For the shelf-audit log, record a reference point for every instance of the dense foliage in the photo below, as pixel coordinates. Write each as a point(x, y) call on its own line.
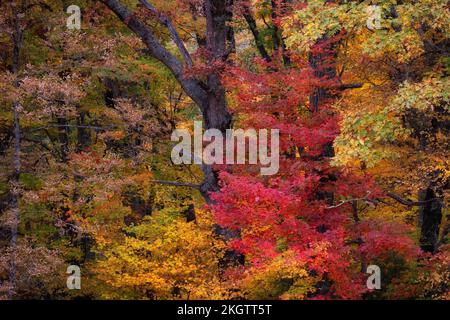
point(86, 176)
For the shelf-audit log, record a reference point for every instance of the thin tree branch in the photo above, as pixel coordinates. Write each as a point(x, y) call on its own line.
point(351, 201)
point(159, 52)
point(350, 86)
point(39, 4)
point(392, 195)
point(408, 202)
point(177, 184)
point(73, 126)
point(163, 19)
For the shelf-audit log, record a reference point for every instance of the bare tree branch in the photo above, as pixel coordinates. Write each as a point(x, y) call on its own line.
point(408, 202)
point(73, 126)
point(163, 19)
point(159, 52)
point(177, 184)
point(351, 201)
point(350, 86)
point(392, 195)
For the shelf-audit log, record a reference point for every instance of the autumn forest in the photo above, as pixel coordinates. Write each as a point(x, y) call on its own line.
point(117, 182)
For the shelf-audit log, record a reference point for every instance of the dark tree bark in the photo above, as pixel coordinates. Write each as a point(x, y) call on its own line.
point(189, 213)
point(83, 134)
point(321, 60)
point(14, 207)
point(216, 114)
point(277, 37)
point(430, 218)
point(63, 137)
point(17, 40)
point(256, 35)
point(230, 30)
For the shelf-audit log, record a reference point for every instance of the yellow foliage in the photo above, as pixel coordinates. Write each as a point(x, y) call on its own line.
point(167, 258)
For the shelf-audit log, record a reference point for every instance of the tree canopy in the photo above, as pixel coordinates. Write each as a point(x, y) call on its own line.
point(357, 89)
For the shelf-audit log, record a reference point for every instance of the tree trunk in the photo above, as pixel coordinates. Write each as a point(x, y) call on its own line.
point(277, 38)
point(321, 60)
point(430, 217)
point(63, 137)
point(256, 35)
point(215, 112)
point(83, 134)
point(17, 38)
point(15, 212)
point(210, 97)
